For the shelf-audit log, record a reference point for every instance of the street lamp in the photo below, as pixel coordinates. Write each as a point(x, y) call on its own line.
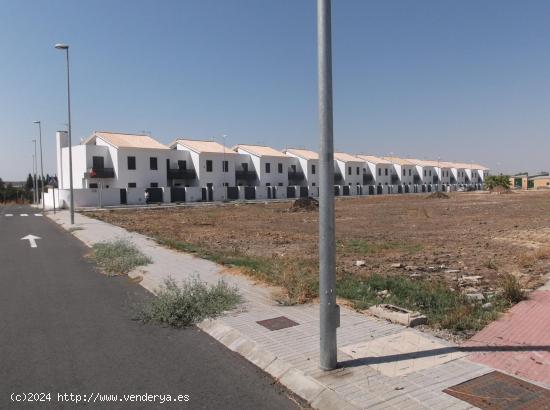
point(41, 163)
point(329, 312)
point(34, 172)
point(65, 47)
point(224, 170)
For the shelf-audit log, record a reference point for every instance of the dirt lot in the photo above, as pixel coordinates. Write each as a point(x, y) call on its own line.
point(478, 235)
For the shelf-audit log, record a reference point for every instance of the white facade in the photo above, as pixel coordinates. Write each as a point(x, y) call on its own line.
point(271, 166)
point(405, 170)
point(350, 168)
point(308, 163)
point(380, 169)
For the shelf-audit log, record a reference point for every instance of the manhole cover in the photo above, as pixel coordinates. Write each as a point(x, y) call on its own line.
point(277, 323)
point(497, 391)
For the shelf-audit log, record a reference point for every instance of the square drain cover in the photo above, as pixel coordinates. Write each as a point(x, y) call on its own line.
point(277, 323)
point(495, 391)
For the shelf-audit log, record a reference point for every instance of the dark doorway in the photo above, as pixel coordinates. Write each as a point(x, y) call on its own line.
point(123, 200)
point(155, 195)
point(177, 194)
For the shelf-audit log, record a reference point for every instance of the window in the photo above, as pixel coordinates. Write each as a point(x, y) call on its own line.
point(267, 167)
point(424, 172)
point(154, 184)
point(131, 184)
point(280, 184)
point(225, 166)
point(379, 172)
point(293, 167)
point(357, 170)
point(131, 162)
point(93, 185)
point(313, 169)
point(182, 165)
point(98, 162)
point(386, 171)
point(267, 184)
point(226, 184)
point(404, 172)
point(280, 168)
point(153, 163)
point(208, 165)
point(313, 184)
point(430, 172)
point(409, 172)
point(349, 170)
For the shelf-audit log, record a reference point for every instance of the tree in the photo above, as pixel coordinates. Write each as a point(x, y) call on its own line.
point(30, 183)
point(493, 181)
point(2, 185)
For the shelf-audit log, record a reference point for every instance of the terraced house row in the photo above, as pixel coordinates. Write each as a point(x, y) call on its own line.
point(117, 169)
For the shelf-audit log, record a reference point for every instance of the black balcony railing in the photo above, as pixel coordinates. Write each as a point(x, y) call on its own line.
point(417, 180)
point(245, 175)
point(394, 179)
point(295, 177)
point(100, 173)
point(453, 180)
point(185, 174)
point(368, 179)
point(338, 178)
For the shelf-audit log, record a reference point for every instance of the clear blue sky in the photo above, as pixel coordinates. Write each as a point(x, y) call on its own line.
point(461, 80)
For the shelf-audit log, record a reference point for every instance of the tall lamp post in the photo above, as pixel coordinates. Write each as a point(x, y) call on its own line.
point(34, 172)
point(225, 170)
point(329, 311)
point(41, 163)
point(65, 47)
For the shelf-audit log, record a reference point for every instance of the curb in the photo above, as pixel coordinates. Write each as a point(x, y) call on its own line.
point(314, 393)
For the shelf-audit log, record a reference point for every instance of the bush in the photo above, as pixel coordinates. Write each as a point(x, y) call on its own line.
point(118, 257)
point(190, 303)
point(493, 181)
point(511, 289)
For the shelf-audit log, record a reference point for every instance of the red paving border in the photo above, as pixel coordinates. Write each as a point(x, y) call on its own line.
point(526, 324)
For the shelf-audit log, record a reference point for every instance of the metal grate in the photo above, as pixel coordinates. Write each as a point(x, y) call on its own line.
point(277, 323)
point(496, 391)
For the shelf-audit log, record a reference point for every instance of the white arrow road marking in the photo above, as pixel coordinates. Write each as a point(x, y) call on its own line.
point(24, 215)
point(9, 214)
point(32, 240)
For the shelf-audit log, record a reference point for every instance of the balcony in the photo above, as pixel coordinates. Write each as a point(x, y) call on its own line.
point(338, 178)
point(245, 175)
point(295, 177)
point(368, 179)
point(417, 180)
point(185, 174)
point(394, 179)
point(100, 173)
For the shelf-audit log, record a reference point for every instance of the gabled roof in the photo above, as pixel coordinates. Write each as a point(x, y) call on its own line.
point(202, 146)
point(122, 140)
point(470, 165)
point(422, 162)
point(343, 157)
point(302, 153)
point(259, 150)
point(398, 161)
point(374, 160)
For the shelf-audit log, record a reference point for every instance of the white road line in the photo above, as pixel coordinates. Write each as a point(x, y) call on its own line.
point(24, 215)
point(37, 214)
point(9, 214)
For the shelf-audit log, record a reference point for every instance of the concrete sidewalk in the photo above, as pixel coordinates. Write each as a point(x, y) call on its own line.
point(383, 365)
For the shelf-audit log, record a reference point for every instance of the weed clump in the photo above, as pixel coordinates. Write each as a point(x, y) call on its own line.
point(511, 289)
point(189, 303)
point(118, 257)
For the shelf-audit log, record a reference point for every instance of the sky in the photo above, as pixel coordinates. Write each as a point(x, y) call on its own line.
point(463, 80)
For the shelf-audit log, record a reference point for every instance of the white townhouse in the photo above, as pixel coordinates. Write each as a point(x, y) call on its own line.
point(427, 172)
point(442, 171)
point(271, 166)
point(457, 172)
point(348, 169)
point(304, 167)
point(381, 170)
point(405, 170)
point(213, 163)
point(114, 160)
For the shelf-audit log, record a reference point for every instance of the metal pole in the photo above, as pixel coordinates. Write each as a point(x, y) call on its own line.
point(41, 166)
point(329, 312)
point(223, 169)
point(35, 169)
point(70, 143)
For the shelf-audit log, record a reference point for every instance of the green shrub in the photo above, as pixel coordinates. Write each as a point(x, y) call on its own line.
point(493, 181)
point(189, 303)
point(118, 257)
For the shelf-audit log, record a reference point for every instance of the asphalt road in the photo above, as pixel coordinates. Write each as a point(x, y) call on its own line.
point(66, 328)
